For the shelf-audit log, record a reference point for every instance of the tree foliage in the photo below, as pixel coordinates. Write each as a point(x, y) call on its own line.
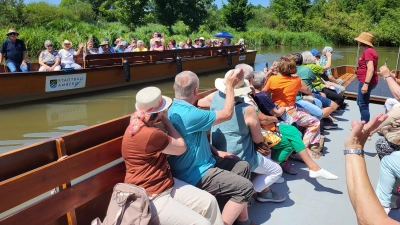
point(237, 13)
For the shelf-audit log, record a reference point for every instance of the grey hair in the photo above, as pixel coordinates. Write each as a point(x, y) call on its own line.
point(308, 58)
point(248, 70)
point(47, 42)
point(258, 80)
point(140, 41)
point(185, 83)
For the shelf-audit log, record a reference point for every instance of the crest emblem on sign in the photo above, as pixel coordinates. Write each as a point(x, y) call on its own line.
point(53, 83)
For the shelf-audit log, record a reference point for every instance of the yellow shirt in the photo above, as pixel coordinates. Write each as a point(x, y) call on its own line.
point(142, 49)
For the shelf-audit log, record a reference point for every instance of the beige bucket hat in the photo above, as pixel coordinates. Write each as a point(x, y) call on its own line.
point(243, 87)
point(365, 38)
point(150, 100)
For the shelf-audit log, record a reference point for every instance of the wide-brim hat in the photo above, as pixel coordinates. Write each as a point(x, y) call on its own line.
point(150, 100)
point(12, 31)
point(365, 38)
point(242, 88)
point(66, 42)
point(104, 43)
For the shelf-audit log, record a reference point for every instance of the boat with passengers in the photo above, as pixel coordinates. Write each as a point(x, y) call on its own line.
point(83, 168)
point(107, 71)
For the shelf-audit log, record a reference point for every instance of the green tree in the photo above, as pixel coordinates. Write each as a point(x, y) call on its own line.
point(167, 12)
point(12, 12)
point(129, 12)
point(237, 13)
point(194, 12)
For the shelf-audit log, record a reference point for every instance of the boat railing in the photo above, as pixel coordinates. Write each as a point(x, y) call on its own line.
point(91, 156)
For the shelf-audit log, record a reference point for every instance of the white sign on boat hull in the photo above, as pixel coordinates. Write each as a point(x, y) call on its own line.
point(242, 57)
point(65, 82)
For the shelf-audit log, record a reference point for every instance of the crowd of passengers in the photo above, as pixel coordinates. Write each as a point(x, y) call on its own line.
point(258, 120)
point(14, 50)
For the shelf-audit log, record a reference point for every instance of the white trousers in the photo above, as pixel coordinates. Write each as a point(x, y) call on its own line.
point(391, 103)
point(42, 68)
point(268, 172)
point(185, 204)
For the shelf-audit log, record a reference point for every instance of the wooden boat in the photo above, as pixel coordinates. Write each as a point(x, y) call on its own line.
point(84, 165)
point(106, 71)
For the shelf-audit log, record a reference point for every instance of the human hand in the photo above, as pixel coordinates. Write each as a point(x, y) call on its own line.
point(328, 54)
point(361, 131)
point(384, 70)
point(80, 45)
point(263, 149)
point(227, 155)
point(364, 88)
point(23, 63)
point(234, 77)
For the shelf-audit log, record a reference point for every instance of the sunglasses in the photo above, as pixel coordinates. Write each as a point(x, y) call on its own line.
point(67, 44)
point(49, 45)
point(11, 34)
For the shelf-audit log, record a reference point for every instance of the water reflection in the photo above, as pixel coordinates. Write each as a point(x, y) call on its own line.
point(30, 123)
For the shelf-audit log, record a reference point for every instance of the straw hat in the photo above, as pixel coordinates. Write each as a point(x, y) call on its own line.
point(12, 30)
point(66, 42)
point(243, 87)
point(150, 100)
point(365, 38)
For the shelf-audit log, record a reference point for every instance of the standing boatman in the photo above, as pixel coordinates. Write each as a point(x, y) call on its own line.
point(14, 51)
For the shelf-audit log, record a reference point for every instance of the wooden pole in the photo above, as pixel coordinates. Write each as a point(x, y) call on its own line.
point(397, 62)
point(358, 55)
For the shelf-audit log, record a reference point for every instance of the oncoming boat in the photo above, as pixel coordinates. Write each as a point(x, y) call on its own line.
point(106, 71)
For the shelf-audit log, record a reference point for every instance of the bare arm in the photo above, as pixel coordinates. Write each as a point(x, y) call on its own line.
point(42, 63)
point(328, 61)
point(332, 79)
point(79, 50)
point(304, 88)
point(265, 120)
point(391, 82)
point(250, 118)
point(362, 196)
point(206, 101)
point(227, 112)
point(24, 57)
point(370, 71)
point(177, 145)
point(277, 112)
point(1, 58)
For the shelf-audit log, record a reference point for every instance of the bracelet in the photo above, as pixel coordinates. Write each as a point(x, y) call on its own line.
point(366, 82)
point(387, 77)
point(354, 151)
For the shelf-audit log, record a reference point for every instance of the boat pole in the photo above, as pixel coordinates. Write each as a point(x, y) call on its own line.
point(397, 62)
point(358, 55)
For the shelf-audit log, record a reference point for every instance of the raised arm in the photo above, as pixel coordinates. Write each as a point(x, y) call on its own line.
point(177, 145)
point(362, 196)
point(328, 61)
point(227, 112)
point(391, 82)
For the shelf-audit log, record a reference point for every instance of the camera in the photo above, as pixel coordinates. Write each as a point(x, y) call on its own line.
point(159, 35)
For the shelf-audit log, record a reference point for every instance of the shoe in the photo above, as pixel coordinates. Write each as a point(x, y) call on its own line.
point(323, 174)
point(280, 180)
point(270, 196)
point(328, 124)
point(287, 168)
point(296, 157)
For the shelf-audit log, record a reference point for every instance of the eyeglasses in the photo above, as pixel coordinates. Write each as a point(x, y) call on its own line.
point(49, 45)
point(67, 44)
point(133, 42)
point(10, 34)
point(220, 42)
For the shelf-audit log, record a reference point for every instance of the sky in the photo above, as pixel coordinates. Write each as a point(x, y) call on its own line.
point(218, 2)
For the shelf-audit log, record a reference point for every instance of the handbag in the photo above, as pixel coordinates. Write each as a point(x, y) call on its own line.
point(271, 138)
point(308, 98)
point(392, 132)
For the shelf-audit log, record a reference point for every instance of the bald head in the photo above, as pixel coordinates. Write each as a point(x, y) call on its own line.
point(248, 70)
point(185, 83)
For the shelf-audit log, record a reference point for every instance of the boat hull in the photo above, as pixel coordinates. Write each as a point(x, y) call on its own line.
point(25, 87)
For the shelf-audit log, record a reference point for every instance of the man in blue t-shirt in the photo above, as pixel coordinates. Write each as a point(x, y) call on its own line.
point(202, 165)
point(14, 51)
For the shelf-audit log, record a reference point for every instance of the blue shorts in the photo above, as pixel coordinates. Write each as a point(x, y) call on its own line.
point(326, 102)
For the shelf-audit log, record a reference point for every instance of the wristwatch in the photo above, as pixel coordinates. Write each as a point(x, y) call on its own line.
point(387, 77)
point(354, 151)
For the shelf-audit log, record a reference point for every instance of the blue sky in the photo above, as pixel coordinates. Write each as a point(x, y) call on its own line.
point(218, 2)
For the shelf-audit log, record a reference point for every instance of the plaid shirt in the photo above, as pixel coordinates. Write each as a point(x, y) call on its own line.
point(322, 62)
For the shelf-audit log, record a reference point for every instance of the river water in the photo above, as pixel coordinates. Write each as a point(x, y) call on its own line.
point(30, 123)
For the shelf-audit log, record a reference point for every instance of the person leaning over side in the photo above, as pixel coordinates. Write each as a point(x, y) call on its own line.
point(49, 59)
point(366, 73)
point(242, 137)
point(14, 51)
point(145, 149)
point(67, 55)
point(220, 174)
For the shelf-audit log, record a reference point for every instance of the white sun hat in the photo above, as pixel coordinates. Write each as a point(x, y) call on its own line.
point(150, 100)
point(243, 87)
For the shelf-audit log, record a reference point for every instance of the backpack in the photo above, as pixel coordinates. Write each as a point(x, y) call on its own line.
point(129, 205)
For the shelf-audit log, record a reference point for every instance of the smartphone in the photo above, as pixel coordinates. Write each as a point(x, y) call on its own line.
point(159, 35)
point(266, 65)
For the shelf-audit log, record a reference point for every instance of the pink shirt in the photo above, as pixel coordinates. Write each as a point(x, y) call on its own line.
point(368, 55)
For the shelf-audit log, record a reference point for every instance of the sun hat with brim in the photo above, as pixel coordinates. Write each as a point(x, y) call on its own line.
point(66, 42)
point(10, 31)
point(104, 43)
point(123, 43)
point(365, 38)
point(150, 100)
point(243, 87)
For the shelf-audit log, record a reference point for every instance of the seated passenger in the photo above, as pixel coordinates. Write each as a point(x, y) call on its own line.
point(181, 45)
point(157, 45)
point(188, 43)
point(110, 48)
point(122, 47)
point(105, 48)
point(227, 42)
point(145, 149)
point(209, 44)
point(242, 135)
point(90, 50)
point(283, 89)
point(327, 75)
point(218, 174)
point(156, 36)
point(133, 45)
point(67, 55)
point(196, 43)
point(49, 59)
point(291, 138)
point(171, 44)
point(14, 52)
point(242, 45)
point(140, 47)
point(202, 44)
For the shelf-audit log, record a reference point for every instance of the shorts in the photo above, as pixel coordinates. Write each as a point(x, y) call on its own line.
point(326, 102)
point(291, 140)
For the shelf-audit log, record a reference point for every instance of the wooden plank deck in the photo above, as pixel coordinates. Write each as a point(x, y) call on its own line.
point(350, 77)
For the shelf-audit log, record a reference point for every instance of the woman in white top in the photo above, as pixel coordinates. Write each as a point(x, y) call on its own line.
point(48, 59)
point(67, 55)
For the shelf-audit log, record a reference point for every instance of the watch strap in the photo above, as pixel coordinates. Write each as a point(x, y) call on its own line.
point(354, 151)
